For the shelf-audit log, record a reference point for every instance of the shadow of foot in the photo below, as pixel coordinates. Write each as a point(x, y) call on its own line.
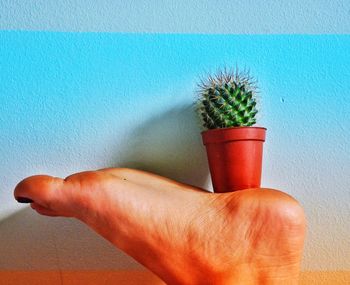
point(32, 242)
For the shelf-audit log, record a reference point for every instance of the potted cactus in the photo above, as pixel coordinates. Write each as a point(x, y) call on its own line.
point(227, 107)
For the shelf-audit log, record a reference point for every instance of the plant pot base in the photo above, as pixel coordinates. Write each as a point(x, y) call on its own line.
point(235, 157)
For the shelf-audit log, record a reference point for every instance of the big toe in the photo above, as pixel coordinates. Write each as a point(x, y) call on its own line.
point(40, 190)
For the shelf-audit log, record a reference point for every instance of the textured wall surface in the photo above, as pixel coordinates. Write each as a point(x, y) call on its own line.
point(78, 101)
point(180, 16)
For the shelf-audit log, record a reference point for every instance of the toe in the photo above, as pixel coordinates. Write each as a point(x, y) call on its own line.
point(41, 189)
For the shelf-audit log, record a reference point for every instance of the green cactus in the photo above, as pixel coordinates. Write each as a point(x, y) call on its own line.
point(227, 100)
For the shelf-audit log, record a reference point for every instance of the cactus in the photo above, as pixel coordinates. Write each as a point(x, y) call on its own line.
point(227, 99)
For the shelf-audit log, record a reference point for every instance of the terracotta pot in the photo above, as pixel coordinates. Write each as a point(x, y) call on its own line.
point(235, 157)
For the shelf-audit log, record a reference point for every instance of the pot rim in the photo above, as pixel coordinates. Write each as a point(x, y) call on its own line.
point(229, 128)
point(222, 135)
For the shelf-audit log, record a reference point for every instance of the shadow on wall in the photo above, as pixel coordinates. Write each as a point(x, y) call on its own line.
point(33, 242)
point(170, 145)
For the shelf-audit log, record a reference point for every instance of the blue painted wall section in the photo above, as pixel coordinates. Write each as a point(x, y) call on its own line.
point(76, 101)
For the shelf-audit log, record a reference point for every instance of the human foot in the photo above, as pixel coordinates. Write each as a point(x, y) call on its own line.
point(182, 233)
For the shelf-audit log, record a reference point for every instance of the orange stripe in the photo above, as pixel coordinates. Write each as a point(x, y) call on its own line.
point(79, 277)
point(102, 277)
point(325, 278)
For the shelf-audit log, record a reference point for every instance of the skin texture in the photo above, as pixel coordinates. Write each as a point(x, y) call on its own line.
point(182, 233)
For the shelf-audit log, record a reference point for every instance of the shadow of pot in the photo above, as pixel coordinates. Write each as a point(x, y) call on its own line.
point(170, 145)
